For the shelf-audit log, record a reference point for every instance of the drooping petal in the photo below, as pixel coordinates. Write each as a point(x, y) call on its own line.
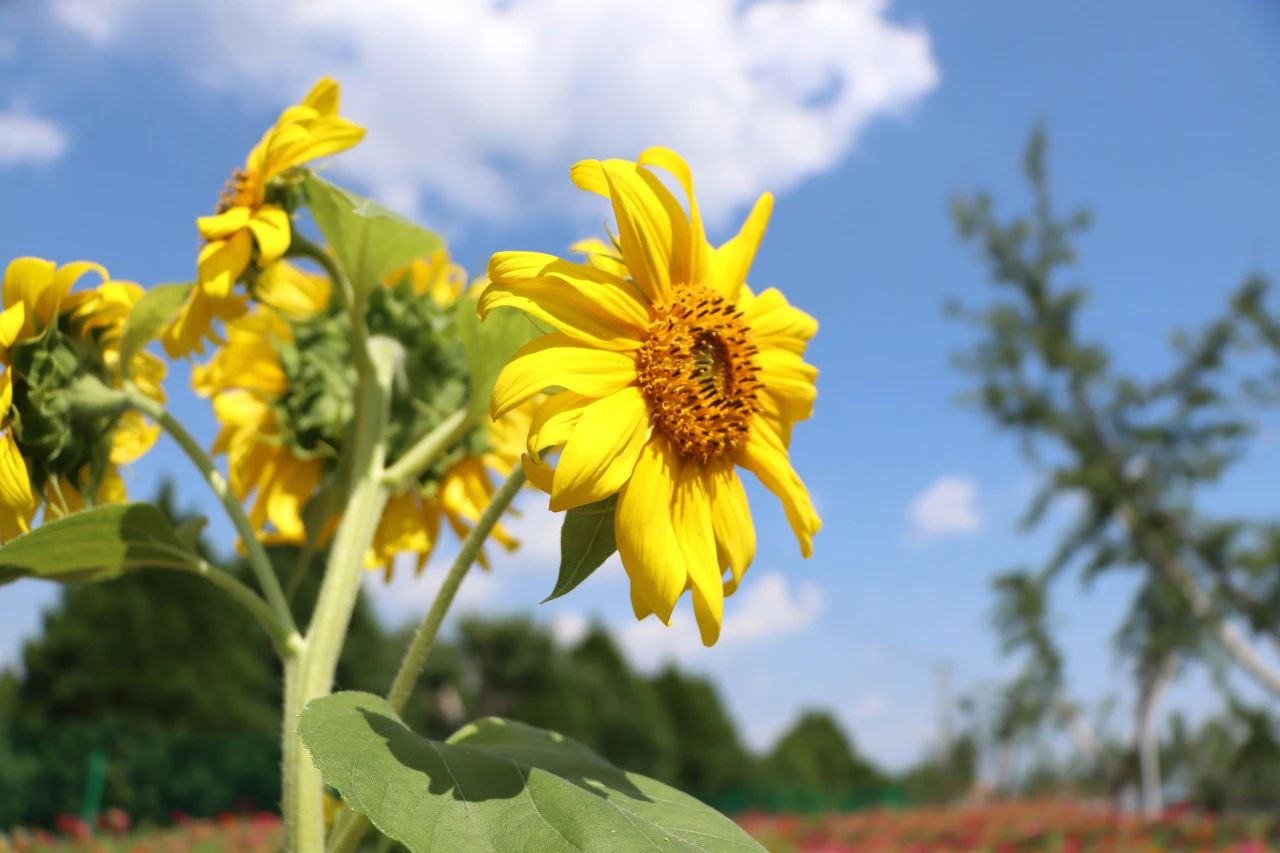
point(15, 489)
point(731, 520)
point(557, 361)
point(25, 279)
point(12, 321)
point(690, 262)
point(294, 293)
point(645, 534)
point(270, 228)
point(194, 323)
point(602, 451)
point(581, 301)
point(765, 456)
point(539, 474)
point(601, 256)
point(132, 438)
point(694, 531)
point(324, 97)
point(222, 262)
point(731, 262)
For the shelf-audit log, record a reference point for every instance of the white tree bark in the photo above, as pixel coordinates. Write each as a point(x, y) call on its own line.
point(1151, 691)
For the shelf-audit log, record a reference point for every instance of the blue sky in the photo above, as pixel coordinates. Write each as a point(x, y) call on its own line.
point(119, 122)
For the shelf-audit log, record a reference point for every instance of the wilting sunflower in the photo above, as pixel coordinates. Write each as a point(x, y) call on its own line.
point(282, 390)
point(251, 225)
point(52, 342)
point(669, 373)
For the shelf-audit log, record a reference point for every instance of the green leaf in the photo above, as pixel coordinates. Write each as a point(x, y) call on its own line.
point(489, 345)
point(368, 240)
point(586, 541)
point(149, 317)
point(95, 544)
point(499, 785)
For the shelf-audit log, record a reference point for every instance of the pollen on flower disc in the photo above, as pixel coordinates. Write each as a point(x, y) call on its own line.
point(698, 373)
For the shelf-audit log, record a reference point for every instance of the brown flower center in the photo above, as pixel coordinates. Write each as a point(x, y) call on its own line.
point(698, 373)
point(240, 191)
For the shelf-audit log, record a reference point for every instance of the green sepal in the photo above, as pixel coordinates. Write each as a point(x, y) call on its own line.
point(586, 541)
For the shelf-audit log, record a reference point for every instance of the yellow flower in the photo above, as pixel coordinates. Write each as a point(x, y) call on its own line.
point(249, 227)
point(280, 448)
point(41, 452)
point(669, 374)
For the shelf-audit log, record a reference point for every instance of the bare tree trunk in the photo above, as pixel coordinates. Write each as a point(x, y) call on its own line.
point(1080, 732)
point(1230, 635)
point(1151, 690)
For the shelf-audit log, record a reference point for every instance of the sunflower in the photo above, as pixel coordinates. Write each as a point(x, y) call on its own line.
point(51, 339)
point(668, 374)
point(281, 389)
point(251, 225)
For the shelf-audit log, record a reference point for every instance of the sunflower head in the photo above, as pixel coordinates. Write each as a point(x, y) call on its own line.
point(283, 389)
point(666, 375)
point(61, 411)
point(251, 228)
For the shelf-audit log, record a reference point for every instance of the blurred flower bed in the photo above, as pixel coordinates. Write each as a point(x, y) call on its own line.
point(1011, 827)
point(114, 834)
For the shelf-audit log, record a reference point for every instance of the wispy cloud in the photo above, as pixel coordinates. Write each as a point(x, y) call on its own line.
point(27, 139)
point(475, 108)
point(947, 506)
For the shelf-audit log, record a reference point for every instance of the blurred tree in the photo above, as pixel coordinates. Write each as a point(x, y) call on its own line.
point(1130, 455)
point(709, 758)
point(815, 755)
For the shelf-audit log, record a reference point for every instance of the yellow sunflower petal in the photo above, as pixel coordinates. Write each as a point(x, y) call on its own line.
point(646, 537)
point(12, 320)
point(270, 228)
point(789, 381)
point(731, 262)
point(765, 456)
point(585, 303)
point(731, 520)
point(222, 262)
point(132, 438)
point(25, 279)
point(775, 323)
point(644, 223)
point(602, 451)
point(695, 533)
point(690, 262)
point(601, 256)
point(15, 487)
point(222, 225)
point(553, 421)
point(291, 291)
point(324, 96)
point(555, 360)
point(539, 474)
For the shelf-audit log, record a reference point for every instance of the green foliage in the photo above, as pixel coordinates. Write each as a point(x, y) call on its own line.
point(815, 755)
point(708, 755)
point(149, 317)
point(96, 544)
point(368, 240)
point(494, 779)
point(586, 541)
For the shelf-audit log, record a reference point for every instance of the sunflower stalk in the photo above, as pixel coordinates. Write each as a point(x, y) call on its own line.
point(312, 677)
point(351, 827)
point(426, 451)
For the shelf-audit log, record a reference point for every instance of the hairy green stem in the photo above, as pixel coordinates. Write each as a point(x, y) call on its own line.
point(258, 559)
point(426, 450)
point(281, 635)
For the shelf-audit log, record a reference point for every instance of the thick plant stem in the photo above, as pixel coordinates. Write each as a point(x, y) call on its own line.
point(258, 559)
point(351, 827)
point(313, 677)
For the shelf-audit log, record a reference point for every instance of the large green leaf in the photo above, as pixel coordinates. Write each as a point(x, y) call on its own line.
point(368, 240)
point(96, 544)
point(489, 345)
point(586, 541)
point(497, 785)
point(148, 318)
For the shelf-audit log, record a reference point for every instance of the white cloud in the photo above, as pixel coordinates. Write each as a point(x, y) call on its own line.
point(568, 628)
point(948, 505)
point(867, 707)
point(29, 139)
point(475, 108)
point(408, 596)
point(766, 608)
